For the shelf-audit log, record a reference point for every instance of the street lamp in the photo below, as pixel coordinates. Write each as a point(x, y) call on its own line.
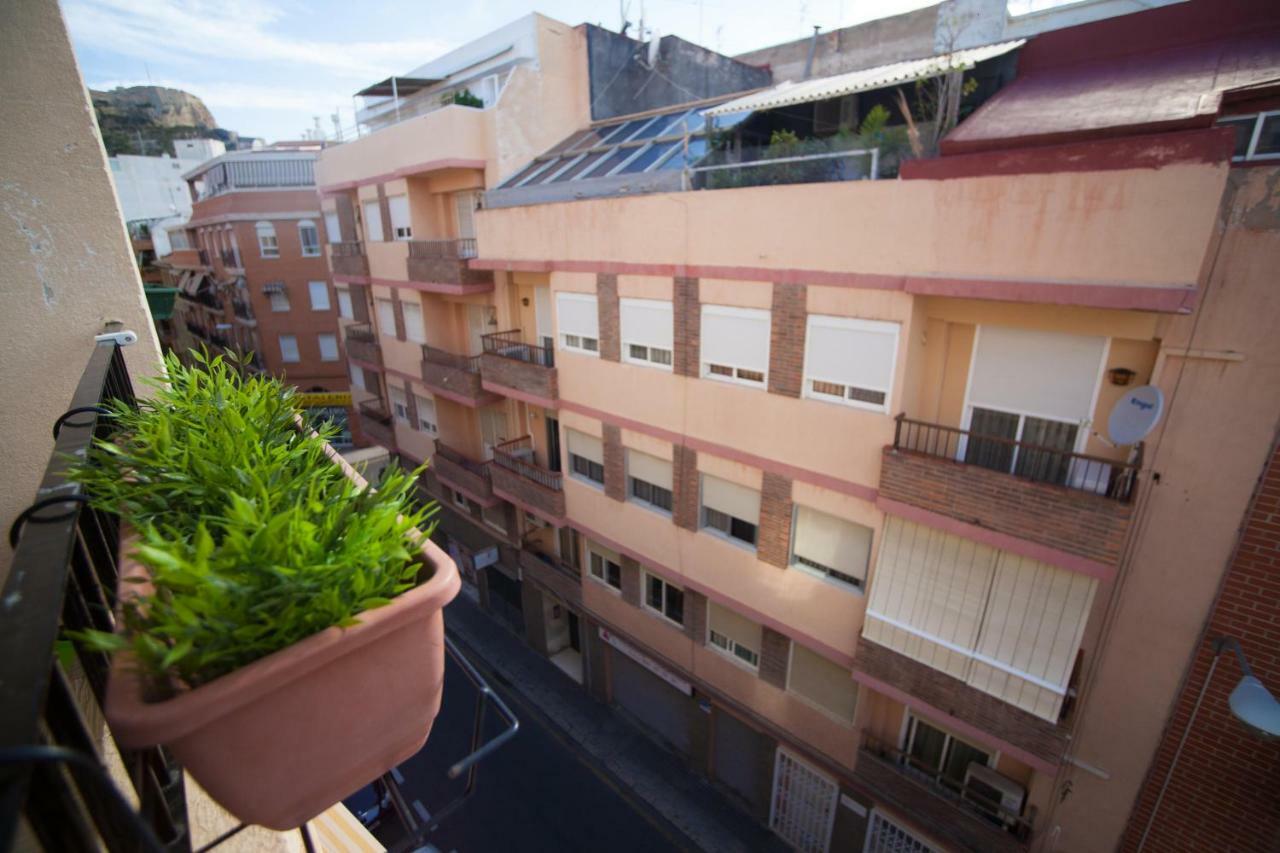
point(1251, 702)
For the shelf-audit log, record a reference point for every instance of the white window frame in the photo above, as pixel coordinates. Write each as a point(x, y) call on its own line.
point(279, 300)
point(1259, 119)
point(724, 535)
point(346, 308)
point(284, 355)
point(604, 579)
point(628, 342)
point(315, 249)
point(268, 241)
point(851, 324)
point(332, 227)
point(563, 338)
point(729, 649)
point(383, 331)
point(907, 736)
point(357, 376)
point(397, 407)
point(401, 233)
point(320, 338)
point(432, 426)
point(632, 497)
point(414, 332)
point(666, 585)
point(323, 291)
point(704, 367)
point(381, 236)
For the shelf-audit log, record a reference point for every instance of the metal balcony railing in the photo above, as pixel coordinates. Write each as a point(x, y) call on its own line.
point(517, 456)
point(479, 469)
point(508, 345)
point(362, 332)
point(243, 310)
point(230, 259)
point(349, 249)
point(1041, 464)
point(376, 410)
point(203, 254)
point(469, 363)
point(458, 249)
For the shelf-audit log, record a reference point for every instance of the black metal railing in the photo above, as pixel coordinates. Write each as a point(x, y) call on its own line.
point(362, 332)
point(468, 363)
point(459, 249)
point(508, 345)
point(63, 578)
point(1039, 463)
point(230, 259)
point(242, 309)
point(969, 798)
point(471, 466)
point(203, 254)
point(517, 456)
point(376, 410)
point(348, 249)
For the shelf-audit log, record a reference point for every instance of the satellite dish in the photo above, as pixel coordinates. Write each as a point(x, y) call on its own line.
point(1135, 414)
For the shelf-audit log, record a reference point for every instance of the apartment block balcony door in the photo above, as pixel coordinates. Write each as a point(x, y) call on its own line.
point(493, 429)
point(553, 442)
point(542, 317)
point(477, 327)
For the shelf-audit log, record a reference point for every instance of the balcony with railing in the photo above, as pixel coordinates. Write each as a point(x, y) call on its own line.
point(972, 816)
point(443, 264)
point(553, 573)
point(454, 377)
point(1051, 495)
point(468, 476)
point(518, 478)
point(362, 344)
point(513, 368)
point(348, 259)
point(244, 311)
point(376, 422)
point(230, 258)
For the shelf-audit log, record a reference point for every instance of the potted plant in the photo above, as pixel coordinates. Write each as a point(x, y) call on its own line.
point(280, 625)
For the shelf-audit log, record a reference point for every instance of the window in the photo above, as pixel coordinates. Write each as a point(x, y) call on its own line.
point(605, 567)
point(278, 296)
point(345, 309)
point(319, 291)
point(586, 457)
point(646, 327)
point(729, 509)
point(830, 547)
point(850, 361)
point(309, 237)
point(465, 503)
point(426, 414)
point(328, 347)
point(578, 322)
point(398, 205)
point(235, 249)
point(289, 348)
point(268, 246)
point(332, 227)
point(940, 754)
point(885, 836)
point(663, 598)
point(399, 405)
point(414, 330)
point(649, 480)
point(735, 344)
point(464, 205)
point(733, 635)
point(822, 683)
point(357, 377)
point(495, 517)
point(1257, 135)
point(386, 317)
point(372, 222)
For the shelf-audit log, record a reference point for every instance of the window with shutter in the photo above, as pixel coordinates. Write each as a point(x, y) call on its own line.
point(586, 457)
point(372, 222)
point(386, 317)
point(822, 683)
point(399, 405)
point(578, 322)
point(319, 292)
point(830, 546)
point(730, 510)
point(426, 414)
point(309, 238)
point(850, 361)
point(646, 329)
point(398, 206)
point(414, 330)
point(328, 347)
point(734, 345)
point(289, 348)
point(604, 566)
point(332, 229)
point(649, 480)
point(664, 598)
point(346, 309)
point(735, 636)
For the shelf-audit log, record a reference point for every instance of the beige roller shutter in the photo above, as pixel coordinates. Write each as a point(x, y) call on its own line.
point(586, 446)
point(651, 469)
point(832, 542)
point(738, 628)
point(730, 498)
point(822, 682)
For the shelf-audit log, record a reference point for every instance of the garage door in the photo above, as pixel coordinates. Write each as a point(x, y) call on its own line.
point(656, 704)
point(804, 804)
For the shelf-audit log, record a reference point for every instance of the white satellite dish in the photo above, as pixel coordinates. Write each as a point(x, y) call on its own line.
point(1135, 414)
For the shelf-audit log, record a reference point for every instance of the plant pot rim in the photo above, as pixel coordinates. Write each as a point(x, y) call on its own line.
point(137, 723)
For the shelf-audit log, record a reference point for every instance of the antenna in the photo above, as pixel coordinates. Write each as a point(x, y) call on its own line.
point(1135, 414)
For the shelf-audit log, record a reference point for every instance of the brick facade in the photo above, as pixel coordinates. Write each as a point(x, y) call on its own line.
point(411, 405)
point(351, 264)
point(446, 271)
point(456, 476)
point(367, 351)
point(952, 696)
point(630, 581)
point(442, 372)
point(607, 309)
point(786, 339)
point(519, 375)
point(684, 480)
point(695, 616)
point(398, 308)
point(344, 204)
point(615, 463)
point(1222, 794)
point(775, 656)
point(384, 209)
point(507, 483)
point(687, 322)
point(773, 542)
point(1069, 520)
point(359, 301)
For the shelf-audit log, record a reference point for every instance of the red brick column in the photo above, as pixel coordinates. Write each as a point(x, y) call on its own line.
point(687, 322)
point(615, 464)
point(399, 312)
point(773, 545)
point(786, 340)
point(775, 655)
point(384, 208)
point(695, 616)
point(607, 308)
point(411, 404)
point(345, 205)
point(684, 479)
point(630, 581)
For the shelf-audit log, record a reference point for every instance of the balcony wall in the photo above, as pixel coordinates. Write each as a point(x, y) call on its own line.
point(451, 376)
point(453, 133)
point(471, 478)
point(348, 259)
point(362, 348)
point(503, 375)
point(527, 485)
point(376, 423)
point(563, 581)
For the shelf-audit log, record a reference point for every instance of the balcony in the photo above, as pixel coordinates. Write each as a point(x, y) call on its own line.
point(465, 475)
point(1071, 502)
point(518, 370)
point(519, 479)
point(203, 256)
point(454, 377)
point(968, 817)
point(547, 570)
point(348, 259)
point(377, 423)
point(442, 264)
point(230, 259)
point(244, 312)
point(362, 344)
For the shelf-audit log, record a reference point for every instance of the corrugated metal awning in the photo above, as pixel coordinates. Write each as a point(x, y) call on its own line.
point(785, 94)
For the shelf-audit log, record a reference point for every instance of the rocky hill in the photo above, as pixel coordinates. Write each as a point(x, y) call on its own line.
point(146, 119)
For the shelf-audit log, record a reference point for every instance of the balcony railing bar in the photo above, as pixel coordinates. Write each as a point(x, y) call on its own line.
point(362, 332)
point(453, 249)
point(517, 456)
point(469, 363)
point(508, 345)
point(348, 249)
point(1036, 462)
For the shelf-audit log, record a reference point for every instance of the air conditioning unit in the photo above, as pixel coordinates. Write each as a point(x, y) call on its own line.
point(985, 788)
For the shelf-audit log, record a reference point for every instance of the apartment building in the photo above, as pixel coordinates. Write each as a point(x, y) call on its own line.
point(252, 276)
point(789, 438)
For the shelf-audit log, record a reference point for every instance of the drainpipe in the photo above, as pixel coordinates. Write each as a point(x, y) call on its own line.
point(813, 48)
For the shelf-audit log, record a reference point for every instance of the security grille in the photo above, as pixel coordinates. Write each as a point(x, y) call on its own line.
point(885, 836)
point(804, 804)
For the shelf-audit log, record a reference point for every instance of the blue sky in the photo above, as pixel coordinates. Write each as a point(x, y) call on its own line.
point(266, 67)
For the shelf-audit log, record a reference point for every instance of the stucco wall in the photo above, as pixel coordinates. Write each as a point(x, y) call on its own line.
point(68, 267)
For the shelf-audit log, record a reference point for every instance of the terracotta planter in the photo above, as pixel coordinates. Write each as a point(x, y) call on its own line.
point(284, 738)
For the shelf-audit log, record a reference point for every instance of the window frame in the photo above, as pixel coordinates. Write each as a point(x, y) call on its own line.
point(382, 226)
point(423, 423)
point(632, 497)
point(562, 336)
point(1259, 119)
point(910, 726)
point(297, 351)
point(316, 251)
point(347, 311)
point(267, 231)
point(627, 343)
point(332, 226)
point(311, 294)
point(826, 572)
point(603, 578)
point(378, 302)
point(729, 651)
point(392, 392)
point(645, 578)
point(813, 703)
point(283, 294)
point(337, 353)
point(852, 324)
point(411, 329)
point(585, 478)
point(734, 378)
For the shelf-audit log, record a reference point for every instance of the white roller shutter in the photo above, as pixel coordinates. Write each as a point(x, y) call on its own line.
point(576, 314)
point(832, 542)
point(646, 321)
point(731, 499)
point(735, 337)
point(857, 354)
point(331, 227)
point(372, 222)
point(586, 446)
point(398, 205)
point(740, 629)
point(1047, 374)
point(651, 469)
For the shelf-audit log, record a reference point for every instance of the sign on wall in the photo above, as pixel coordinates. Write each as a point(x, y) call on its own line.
point(318, 399)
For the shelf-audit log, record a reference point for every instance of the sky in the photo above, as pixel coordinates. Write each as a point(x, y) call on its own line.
point(267, 68)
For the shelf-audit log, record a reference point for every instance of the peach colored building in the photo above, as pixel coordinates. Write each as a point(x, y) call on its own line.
point(799, 451)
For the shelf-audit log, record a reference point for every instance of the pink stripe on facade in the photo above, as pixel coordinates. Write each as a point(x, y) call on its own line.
point(351, 279)
point(957, 725)
point(405, 171)
point(1003, 541)
point(433, 286)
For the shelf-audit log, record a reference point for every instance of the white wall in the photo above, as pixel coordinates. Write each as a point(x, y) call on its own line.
point(151, 187)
